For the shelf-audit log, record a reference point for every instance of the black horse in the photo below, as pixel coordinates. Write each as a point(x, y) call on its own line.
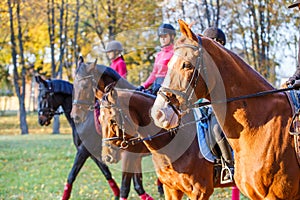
point(57, 93)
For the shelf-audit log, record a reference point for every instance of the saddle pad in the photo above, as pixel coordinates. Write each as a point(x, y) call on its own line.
point(200, 126)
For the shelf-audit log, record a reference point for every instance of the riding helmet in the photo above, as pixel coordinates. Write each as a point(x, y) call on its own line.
point(114, 46)
point(164, 29)
point(215, 34)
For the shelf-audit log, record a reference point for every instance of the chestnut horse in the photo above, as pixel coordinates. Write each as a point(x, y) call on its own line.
point(125, 119)
point(257, 128)
point(90, 81)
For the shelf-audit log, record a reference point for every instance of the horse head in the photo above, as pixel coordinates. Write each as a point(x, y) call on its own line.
point(84, 90)
point(187, 72)
point(47, 108)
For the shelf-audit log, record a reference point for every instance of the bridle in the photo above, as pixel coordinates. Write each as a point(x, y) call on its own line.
point(188, 93)
point(88, 103)
point(47, 109)
point(119, 124)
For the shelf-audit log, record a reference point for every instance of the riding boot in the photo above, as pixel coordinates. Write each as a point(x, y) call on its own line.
point(160, 188)
point(225, 150)
point(67, 191)
point(146, 196)
point(114, 187)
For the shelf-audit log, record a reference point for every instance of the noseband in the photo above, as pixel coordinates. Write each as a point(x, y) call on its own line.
point(187, 94)
point(48, 111)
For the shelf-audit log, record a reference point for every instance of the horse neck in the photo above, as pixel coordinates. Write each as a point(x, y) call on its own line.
point(248, 113)
point(65, 101)
point(106, 75)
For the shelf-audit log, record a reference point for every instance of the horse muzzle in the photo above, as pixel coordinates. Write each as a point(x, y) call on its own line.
point(164, 115)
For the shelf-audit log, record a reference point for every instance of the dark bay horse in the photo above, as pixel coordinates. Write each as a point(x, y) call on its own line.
point(57, 93)
point(257, 128)
point(90, 81)
point(179, 164)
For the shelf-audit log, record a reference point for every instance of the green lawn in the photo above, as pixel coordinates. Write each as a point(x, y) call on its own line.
point(36, 166)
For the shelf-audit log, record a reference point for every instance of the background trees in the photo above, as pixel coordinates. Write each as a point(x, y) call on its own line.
point(47, 36)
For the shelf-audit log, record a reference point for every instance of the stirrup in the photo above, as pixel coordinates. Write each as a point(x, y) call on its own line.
point(225, 170)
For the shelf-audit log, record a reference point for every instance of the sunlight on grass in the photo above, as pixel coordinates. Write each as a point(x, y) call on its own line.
point(36, 167)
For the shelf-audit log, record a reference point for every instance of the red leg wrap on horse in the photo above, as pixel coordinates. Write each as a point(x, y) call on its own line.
point(146, 196)
point(122, 198)
point(67, 191)
point(114, 187)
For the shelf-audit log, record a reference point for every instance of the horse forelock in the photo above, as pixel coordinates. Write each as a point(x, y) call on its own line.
point(188, 54)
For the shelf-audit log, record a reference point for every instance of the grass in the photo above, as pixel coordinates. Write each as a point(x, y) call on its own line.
point(36, 166)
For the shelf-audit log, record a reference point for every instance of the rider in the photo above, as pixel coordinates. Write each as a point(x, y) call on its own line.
point(215, 34)
point(219, 36)
point(166, 34)
point(296, 75)
point(113, 50)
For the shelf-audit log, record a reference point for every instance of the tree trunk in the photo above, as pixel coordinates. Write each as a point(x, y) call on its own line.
point(16, 78)
point(51, 32)
point(23, 122)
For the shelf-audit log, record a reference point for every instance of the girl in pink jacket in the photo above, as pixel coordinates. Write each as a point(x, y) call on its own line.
point(166, 34)
point(113, 51)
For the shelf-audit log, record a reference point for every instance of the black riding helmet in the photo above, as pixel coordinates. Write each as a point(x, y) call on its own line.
point(166, 29)
point(215, 34)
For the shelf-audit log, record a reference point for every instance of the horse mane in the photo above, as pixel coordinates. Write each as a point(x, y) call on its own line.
point(60, 86)
point(212, 48)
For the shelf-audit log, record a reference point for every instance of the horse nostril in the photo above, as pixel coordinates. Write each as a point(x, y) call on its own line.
point(108, 159)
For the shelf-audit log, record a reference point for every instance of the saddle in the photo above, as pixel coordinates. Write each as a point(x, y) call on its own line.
point(294, 129)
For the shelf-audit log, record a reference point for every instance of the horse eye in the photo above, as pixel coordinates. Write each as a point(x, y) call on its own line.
point(187, 65)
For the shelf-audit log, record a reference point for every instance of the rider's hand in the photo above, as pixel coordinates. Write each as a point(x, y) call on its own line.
point(291, 81)
point(140, 88)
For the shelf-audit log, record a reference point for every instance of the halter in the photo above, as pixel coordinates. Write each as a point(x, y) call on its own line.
point(86, 102)
point(187, 94)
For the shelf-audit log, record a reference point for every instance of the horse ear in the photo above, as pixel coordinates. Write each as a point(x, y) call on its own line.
point(80, 61)
point(39, 79)
point(186, 30)
point(109, 87)
point(91, 66)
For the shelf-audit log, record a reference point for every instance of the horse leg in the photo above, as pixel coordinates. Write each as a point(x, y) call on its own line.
point(80, 158)
point(106, 172)
point(172, 194)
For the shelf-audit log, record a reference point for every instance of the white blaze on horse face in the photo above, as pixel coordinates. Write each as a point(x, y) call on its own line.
point(171, 63)
point(163, 115)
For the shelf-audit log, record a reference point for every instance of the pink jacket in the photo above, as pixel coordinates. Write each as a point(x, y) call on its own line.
point(119, 65)
point(160, 67)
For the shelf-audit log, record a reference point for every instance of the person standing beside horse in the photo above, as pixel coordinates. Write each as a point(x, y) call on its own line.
point(166, 34)
point(296, 75)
